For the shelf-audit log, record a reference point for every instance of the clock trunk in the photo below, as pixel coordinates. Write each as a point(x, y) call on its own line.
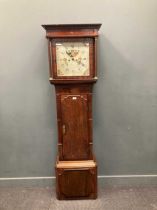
point(74, 116)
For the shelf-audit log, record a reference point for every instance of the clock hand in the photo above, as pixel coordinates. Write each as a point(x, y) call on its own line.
point(69, 53)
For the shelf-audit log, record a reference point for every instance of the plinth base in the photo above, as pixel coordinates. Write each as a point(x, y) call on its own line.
point(76, 179)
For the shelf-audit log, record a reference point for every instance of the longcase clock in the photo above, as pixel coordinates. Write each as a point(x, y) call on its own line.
point(72, 65)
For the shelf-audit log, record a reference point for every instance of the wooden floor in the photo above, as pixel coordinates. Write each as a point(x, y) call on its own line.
point(109, 199)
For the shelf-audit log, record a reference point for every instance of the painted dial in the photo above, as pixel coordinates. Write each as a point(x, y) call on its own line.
point(72, 58)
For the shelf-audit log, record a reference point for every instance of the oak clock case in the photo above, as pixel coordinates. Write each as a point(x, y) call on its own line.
point(72, 65)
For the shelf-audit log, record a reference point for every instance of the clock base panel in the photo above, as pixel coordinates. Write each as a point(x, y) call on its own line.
point(76, 180)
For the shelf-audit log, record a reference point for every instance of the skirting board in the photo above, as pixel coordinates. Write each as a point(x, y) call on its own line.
point(103, 180)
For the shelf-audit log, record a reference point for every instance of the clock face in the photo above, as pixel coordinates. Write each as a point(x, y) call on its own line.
point(72, 58)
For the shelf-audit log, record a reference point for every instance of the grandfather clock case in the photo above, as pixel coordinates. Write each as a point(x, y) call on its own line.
point(72, 66)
